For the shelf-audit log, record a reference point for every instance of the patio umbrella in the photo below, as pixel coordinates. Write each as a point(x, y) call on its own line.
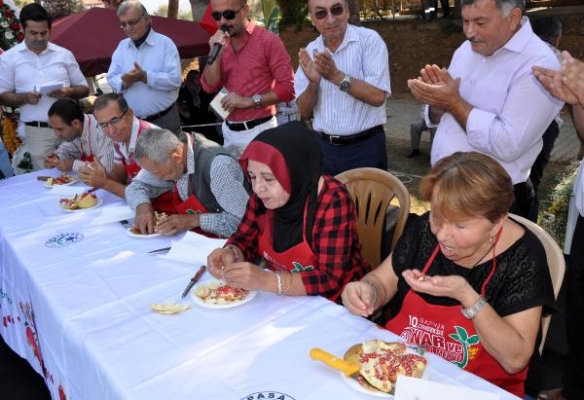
point(93, 35)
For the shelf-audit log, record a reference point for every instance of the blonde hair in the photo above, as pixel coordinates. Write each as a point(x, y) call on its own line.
point(468, 185)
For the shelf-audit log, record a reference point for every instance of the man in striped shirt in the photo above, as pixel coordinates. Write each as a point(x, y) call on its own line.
point(343, 81)
point(84, 140)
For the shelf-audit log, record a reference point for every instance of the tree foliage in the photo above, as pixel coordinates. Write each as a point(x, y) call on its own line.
point(62, 8)
point(294, 12)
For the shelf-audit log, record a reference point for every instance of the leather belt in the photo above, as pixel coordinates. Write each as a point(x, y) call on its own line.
point(38, 124)
point(339, 140)
point(247, 125)
point(159, 115)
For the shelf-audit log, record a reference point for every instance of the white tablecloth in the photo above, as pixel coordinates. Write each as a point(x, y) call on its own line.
point(74, 300)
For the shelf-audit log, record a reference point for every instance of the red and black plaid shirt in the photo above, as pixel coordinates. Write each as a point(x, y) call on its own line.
point(334, 241)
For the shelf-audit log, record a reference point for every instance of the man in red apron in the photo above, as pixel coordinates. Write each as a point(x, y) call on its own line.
point(116, 119)
point(83, 139)
point(207, 185)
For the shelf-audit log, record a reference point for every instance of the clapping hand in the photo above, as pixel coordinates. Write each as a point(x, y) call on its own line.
point(436, 87)
point(135, 75)
point(325, 65)
point(308, 67)
point(567, 84)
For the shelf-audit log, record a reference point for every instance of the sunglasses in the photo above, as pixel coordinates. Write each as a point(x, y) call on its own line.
point(335, 11)
point(227, 14)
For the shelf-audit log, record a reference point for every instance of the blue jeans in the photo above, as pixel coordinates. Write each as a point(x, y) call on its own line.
point(5, 166)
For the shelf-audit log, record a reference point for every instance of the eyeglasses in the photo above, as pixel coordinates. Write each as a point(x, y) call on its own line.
point(227, 14)
point(114, 121)
point(335, 11)
point(131, 23)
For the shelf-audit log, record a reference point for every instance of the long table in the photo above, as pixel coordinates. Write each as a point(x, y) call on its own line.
point(74, 301)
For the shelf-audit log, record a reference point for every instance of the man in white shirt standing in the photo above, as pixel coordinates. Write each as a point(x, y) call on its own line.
point(146, 69)
point(29, 67)
point(489, 100)
point(343, 80)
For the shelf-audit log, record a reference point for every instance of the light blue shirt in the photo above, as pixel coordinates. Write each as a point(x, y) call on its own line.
point(158, 56)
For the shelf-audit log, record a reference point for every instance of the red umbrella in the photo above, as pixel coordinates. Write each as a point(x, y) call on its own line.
point(207, 22)
point(93, 35)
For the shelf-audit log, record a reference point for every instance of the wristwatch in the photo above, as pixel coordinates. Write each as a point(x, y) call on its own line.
point(257, 100)
point(473, 310)
point(345, 84)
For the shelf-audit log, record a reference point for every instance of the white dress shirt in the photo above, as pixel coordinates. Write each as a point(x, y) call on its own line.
point(511, 108)
point(362, 55)
point(22, 70)
point(158, 56)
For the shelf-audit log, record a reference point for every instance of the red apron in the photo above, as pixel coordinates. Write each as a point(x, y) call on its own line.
point(444, 331)
point(87, 157)
point(297, 258)
point(191, 205)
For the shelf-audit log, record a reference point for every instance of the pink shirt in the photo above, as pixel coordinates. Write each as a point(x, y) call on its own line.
point(261, 65)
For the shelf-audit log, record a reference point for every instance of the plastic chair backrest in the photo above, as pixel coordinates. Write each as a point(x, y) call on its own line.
point(372, 190)
point(556, 264)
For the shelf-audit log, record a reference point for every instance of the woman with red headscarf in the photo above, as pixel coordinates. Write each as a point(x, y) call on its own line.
point(298, 222)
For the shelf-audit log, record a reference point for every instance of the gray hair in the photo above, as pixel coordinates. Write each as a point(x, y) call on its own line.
point(504, 5)
point(130, 5)
point(156, 145)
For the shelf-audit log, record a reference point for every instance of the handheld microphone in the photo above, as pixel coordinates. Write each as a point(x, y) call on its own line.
point(216, 48)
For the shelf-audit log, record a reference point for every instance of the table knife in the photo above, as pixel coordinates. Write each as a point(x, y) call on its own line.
point(159, 250)
point(350, 370)
point(194, 280)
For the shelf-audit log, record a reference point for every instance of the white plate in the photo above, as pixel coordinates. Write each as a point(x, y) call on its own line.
point(139, 235)
point(99, 203)
point(378, 393)
point(201, 303)
point(353, 384)
point(75, 180)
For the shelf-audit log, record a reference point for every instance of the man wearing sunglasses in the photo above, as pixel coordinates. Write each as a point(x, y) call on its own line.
point(254, 66)
point(343, 82)
point(146, 68)
point(118, 122)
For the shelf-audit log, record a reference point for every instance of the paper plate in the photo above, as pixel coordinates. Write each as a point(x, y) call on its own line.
point(99, 203)
point(232, 304)
point(141, 236)
point(73, 180)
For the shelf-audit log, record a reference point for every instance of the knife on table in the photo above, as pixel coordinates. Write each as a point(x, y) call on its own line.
point(349, 369)
point(194, 280)
point(159, 250)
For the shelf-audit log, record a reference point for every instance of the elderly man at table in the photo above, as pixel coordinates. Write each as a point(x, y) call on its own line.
point(209, 192)
point(343, 80)
point(255, 68)
point(146, 69)
point(29, 67)
point(84, 140)
point(117, 121)
point(480, 102)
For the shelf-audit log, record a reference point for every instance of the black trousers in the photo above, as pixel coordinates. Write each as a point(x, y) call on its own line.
point(523, 199)
point(549, 139)
point(574, 281)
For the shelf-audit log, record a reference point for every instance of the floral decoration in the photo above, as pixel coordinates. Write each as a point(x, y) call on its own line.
point(10, 32)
